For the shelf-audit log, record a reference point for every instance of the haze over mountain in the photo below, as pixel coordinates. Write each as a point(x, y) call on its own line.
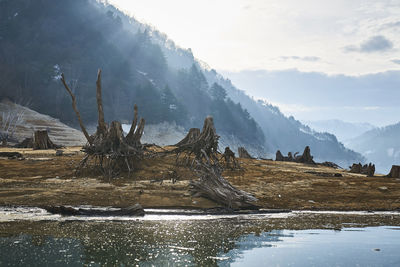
point(41, 39)
point(381, 146)
point(341, 129)
point(370, 98)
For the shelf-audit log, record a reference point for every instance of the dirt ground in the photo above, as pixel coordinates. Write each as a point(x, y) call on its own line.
point(43, 178)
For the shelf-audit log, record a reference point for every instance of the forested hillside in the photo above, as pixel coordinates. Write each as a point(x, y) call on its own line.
point(41, 39)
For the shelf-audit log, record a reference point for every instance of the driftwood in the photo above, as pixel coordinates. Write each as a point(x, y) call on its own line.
point(136, 210)
point(206, 143)
point(40, 140)
point(213, 186)
point(11, 155)
point(192, 136)
point(243, 153)
point(330, 164)
point(394, 172)
point(229, 156)
point(368, 169)
point(304, 158)
point(111, 150)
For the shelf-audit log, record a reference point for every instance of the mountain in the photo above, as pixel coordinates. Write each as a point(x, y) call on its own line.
point(319, 96)
point(341, 129)
point(41, 39)
point(380, 146)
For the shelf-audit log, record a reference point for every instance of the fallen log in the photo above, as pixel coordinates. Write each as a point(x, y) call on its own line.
point(11, 155)
point(213, 186)
point(135, 210)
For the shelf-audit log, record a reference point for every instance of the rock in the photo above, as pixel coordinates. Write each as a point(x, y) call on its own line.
point(383, 188)
point(59, 152)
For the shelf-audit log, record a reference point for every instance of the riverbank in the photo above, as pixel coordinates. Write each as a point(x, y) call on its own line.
point(43, 178)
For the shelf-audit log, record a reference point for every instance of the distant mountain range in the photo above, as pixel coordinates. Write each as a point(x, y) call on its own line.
point(41, 39)
point(380, 146)
point(341, 129)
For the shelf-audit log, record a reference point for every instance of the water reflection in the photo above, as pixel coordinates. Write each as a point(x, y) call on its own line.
point(219, 242)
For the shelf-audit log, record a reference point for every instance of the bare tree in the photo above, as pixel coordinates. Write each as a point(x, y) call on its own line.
point(8, 124)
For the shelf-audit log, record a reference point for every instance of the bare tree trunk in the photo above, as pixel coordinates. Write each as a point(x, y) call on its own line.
point(78, 115)
point(102, 127)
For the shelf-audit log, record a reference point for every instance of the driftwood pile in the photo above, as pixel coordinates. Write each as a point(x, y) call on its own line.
point(304, 158)
point(394, 172)
point(40, 140)
point(367, 169)
point(111, 151)
point(205, 164)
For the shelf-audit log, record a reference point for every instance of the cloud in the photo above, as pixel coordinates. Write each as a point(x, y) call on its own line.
point(391, 25)
point(307, 58)
point(378, 43)
point(396, 61)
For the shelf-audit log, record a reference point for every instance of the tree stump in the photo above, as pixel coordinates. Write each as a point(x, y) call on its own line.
point(243, 153)
point(279, 156)
point(394, 172)
point(112, 151)
point(41, 140)
point(192, 136)
point(229, 156)
point(205, 144)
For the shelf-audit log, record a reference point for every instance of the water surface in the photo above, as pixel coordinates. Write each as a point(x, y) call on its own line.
point(36, 238)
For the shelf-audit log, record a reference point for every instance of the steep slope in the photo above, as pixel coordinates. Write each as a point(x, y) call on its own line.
point(40, 39)
point(380, 146)
point(59, 133)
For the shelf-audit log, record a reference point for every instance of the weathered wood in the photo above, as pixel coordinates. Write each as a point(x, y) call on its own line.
point(206, 142)
point(394, 172)
point(213, 186)
point(78, 115)
point(229, 156)
point(305, 157)
point(192, 136)
point(101, 127)
point(41, 140)
point(368, 169)
point(135, 210)
point(112, 151)
point(243, 153)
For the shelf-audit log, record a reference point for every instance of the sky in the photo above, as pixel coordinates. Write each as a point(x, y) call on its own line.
point(309, 43)
point(342, 36)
